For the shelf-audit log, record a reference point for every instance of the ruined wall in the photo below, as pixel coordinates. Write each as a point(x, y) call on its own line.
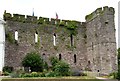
point(27, 27)
point(93, 44)
point(101, 41)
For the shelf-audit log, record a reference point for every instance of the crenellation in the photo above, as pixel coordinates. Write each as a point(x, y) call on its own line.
point(111, 9)
point(15, 17)
point(41, 20)
point(46, 20)
point(7, 16)
point(62, 23)
point(100, 11)
point(31, 19)
point(53, 21)
point(105, 8)
point(22, 18)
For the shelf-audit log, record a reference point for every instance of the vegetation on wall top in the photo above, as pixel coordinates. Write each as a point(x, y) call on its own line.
point(99, 11)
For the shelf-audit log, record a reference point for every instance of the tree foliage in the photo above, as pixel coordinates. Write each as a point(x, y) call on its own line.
point(34, 61)
point(62, 68)
point(59, 67)
point(54, 61)
point(118, 64)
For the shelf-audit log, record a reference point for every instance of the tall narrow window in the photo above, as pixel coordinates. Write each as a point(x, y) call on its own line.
point(59, 56)
point(75, 60)
point(43, 56)
point(54, 39)
point(16, 35)
point(92, 45)
point(36, 37)
point(88, 62)
point(71, 39)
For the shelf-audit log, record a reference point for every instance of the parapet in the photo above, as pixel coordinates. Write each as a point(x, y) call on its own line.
point(100, 11)
point(39, 20)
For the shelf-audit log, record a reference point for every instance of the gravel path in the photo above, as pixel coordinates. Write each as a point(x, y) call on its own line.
point(105, 79)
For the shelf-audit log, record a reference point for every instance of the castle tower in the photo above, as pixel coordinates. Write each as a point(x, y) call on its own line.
point(101, 41)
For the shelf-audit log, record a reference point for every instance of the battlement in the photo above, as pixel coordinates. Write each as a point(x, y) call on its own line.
point(100, 11)
point(39, 20)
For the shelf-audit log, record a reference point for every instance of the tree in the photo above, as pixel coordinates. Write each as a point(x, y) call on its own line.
point(118, 64)
point(34, 61)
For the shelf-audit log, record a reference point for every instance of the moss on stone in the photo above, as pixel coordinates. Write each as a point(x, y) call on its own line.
point(9, 37)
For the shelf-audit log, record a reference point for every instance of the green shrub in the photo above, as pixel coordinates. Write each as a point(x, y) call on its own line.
point(83, 74)
point(114, 74)
point(62, 69)
point(118, 74)
point(14, 75)
point(34, 61)
point(17, 73)
point(7, 69)
point(59, 68)
point(6, 73)
point(45, 66)
point(54, 61)
point(25, 75)
point(52, 74)
point(33, 74)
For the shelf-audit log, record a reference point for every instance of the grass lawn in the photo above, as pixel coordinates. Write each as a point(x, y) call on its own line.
point(84, 78)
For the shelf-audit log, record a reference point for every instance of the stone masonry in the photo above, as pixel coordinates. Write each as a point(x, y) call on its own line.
point(93, 47)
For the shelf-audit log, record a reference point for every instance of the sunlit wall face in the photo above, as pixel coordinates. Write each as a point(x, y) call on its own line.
point(2, 44)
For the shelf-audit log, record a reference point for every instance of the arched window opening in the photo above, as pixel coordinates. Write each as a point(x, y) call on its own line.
point(54, 39)
point(88, 62)
point(75, 60)
point(36, 37)
point(60, 57)
point(16, 35)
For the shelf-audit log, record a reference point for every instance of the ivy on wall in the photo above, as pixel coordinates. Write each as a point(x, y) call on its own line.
point(9, 37)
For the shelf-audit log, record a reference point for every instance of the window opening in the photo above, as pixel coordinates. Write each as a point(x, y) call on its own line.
point(54, 39)
point(60, 57)
point(75, 60)
point(36, 37)
point(16, 35)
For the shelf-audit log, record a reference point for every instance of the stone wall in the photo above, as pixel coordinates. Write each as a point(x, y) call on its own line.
point(94, 43)
point(16, 50)
point(101, 45)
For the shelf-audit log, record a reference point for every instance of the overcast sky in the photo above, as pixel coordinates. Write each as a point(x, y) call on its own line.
point(66, 9)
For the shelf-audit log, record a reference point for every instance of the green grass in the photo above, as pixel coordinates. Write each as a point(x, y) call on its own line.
point(83, 78)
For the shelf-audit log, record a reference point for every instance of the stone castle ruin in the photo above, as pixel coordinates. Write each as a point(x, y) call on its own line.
point(90, 45)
